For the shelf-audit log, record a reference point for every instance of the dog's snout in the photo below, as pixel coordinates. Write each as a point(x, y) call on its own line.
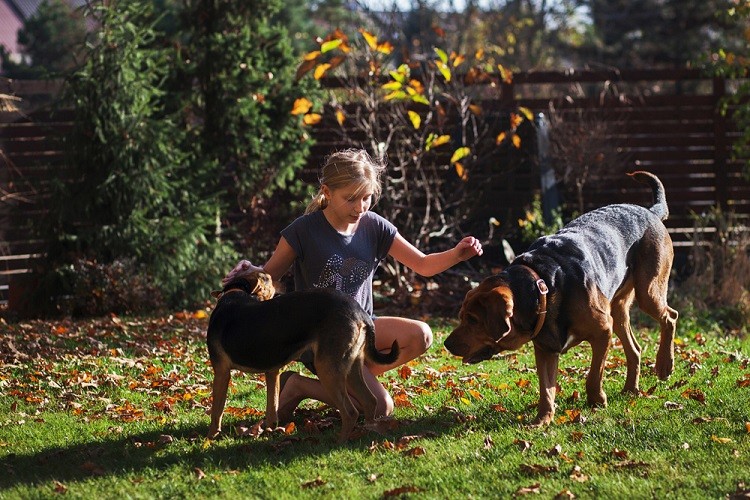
point(454, 344)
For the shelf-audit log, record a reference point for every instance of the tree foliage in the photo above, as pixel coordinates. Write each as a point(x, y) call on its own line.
point(137, 192)
point(423, 112)
point(732, 62)
point(243, 65)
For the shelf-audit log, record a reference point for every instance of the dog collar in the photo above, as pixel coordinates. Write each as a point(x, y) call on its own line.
point(541, 310)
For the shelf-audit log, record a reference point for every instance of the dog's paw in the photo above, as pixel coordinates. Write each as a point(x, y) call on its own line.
point(542, 420)
point(597, 400)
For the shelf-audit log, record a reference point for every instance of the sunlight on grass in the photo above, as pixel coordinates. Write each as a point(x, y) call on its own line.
point(117, 407)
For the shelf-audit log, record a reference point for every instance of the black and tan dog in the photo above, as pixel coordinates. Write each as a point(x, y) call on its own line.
point(252, 332)
point(578, 285)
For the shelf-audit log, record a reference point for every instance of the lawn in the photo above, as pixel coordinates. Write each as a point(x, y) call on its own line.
point(116, 407)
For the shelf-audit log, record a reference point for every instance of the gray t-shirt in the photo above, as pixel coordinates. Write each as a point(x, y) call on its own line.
point(329, 259)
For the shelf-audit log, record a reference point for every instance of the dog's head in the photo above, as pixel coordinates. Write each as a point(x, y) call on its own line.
point(255, 283)
point(486, 327)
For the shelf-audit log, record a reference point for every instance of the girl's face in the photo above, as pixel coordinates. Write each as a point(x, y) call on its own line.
point(347, 204)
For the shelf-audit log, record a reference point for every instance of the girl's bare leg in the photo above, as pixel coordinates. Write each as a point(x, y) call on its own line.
point(414, 338)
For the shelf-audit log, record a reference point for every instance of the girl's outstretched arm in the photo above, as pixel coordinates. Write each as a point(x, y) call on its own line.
point(434, 263)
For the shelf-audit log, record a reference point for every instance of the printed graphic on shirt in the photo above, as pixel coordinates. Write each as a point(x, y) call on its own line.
point(345, 275)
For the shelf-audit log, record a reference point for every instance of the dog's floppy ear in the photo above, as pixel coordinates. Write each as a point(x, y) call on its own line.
point(262, 285)
point(498, 311)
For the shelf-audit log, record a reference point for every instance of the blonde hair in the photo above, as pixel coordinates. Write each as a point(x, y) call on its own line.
point(349, 167)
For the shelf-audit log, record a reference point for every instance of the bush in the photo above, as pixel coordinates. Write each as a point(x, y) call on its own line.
point(716, 282)
point(94, 289)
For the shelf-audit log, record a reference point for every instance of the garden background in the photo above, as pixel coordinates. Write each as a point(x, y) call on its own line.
point(146, 146)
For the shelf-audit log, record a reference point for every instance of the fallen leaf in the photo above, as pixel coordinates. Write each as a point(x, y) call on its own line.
point(565, 494)
point(521, 444)
point(621, 454)
point(554, 451)
point(199, 474)
point(396, 492)
point(417, 451)
point(535, 488)
point(721, 440)
point(538, 469)
point(318, 481)
point(488, 442)
point(578, 475)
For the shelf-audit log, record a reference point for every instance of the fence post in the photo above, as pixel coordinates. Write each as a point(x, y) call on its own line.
point(720, 144)
point(550, 196)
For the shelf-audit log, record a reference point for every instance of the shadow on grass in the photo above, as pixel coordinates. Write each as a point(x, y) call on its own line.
point(185, 446)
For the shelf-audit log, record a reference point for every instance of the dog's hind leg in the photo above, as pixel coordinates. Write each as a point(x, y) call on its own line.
point(222, 374)
point(359, 390)
point(621, 304)
point(651, 286)
point(272, 398)
point(332, 375)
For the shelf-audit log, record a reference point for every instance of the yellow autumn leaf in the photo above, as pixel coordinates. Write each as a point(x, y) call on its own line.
point(460, 153)
point(312, 118)
point(415, 119)
point(371, 40)
point(301, 106)
point(385, 47)
point(311, 56)
point(500, 138)
point(340, 117)
point(434, 141)
point(320, 70)
point(396, 94)
point(200, 314)
point(461, 172)
point(526, 112)
point(442, 55)
point(444, 70)
point(505, 74)
point(458, 60)
point(330, 45)
point(475, 109)
point(721, 440)
point(515, 120)
point(417, 86)
point(390, 86)
point(465, 401)
point(476, 394)
point(516, 141)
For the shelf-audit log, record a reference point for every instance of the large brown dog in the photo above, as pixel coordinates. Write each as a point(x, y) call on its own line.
point(578, 285)
point(254, 333)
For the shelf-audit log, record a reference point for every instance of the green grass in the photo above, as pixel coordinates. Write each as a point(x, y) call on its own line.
point(116, 407)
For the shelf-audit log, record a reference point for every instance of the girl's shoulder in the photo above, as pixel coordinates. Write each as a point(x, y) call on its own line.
point(378, 221)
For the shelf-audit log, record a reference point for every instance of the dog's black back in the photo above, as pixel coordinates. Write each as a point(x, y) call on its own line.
point(266, 334)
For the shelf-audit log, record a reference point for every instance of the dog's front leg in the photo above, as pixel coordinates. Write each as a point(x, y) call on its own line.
point(272, 398)
point(595, 395)
point(546, 369)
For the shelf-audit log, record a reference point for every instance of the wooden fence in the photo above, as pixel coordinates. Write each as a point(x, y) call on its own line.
point(664, 121)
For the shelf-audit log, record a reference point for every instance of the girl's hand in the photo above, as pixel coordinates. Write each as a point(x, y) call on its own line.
point(469, 247)
point(242, 268)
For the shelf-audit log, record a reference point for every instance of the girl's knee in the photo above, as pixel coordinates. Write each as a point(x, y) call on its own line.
point(426, 335)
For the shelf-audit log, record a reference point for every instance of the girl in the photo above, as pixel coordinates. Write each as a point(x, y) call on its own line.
point(339, 243)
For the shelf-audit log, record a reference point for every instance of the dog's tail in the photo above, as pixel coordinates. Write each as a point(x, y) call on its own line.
point(660, 197)
point(372, 352)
